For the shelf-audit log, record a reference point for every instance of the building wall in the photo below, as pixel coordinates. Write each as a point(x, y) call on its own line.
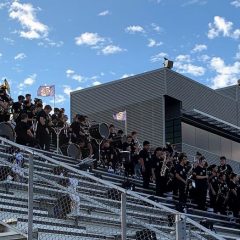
point(211, 158)
point(141, 96)
point(228, 91)
point(195, 95)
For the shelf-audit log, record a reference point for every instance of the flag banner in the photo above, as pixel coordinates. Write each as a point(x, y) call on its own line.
point(120, 116)
point(46, 91)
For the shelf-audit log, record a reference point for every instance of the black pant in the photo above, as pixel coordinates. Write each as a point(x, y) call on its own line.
point(146, 177)
point(160, 185)
point(201, 196)
point(43, 138)
point(182, 193)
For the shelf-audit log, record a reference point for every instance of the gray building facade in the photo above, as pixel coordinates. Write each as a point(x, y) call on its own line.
point(163, 105)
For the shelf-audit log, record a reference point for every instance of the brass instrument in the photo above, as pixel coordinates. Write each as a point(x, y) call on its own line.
point(34, 126)
point(189, 176)
point(164, 166)
point(5, 86)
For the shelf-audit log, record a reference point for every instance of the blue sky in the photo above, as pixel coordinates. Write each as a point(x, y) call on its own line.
point(76, 44)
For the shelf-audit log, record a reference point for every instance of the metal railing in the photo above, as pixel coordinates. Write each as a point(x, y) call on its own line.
point(49, 198)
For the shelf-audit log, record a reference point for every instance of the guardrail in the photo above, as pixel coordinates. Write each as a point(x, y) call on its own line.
point(97, 207)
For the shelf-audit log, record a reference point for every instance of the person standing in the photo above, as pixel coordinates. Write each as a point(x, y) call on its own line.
point(181, 180)
point(43, 133)
point(145, 161)
point(201, 180)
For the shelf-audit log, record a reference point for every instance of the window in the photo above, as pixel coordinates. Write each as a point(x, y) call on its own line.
point(188, 134)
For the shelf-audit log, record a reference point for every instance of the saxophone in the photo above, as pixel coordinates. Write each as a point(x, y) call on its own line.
point(164, 166)
point(189, 176)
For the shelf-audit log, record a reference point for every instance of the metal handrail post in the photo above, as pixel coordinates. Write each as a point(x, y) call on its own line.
point(30, 198)
point(123, 216)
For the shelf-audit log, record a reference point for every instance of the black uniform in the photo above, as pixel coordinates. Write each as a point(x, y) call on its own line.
point(222, 195)
point(182, 171)
point(233, 199)
point(127, 158)
point(22, 136)
point(42, 131)
point(160, 180)
point(17, 108)
point(213, 190)
point(4, 113)
point(201, 187)
point(75, 126)
point(146, 156)
point(109, 156)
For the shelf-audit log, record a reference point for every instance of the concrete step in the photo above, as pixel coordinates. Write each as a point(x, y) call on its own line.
point(11, 236)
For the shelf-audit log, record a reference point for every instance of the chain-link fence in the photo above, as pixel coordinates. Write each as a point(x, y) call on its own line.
point(49, 199)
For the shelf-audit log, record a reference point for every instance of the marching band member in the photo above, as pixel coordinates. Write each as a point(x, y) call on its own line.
point(201, 181)
point(157, 163)
point(222, 195)
point(181, 177)
point(145, 161)
point(43, 133)
point(233, 197)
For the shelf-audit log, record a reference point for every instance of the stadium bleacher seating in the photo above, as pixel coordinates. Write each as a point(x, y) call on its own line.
point(99, 213)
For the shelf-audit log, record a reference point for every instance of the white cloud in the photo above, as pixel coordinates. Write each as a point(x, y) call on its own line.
point(59, 98)
point(153, 43)
point(96, 83)
point(156, 27)
point(236, 3)
point(0, 55)
point(111, 49)
point(8, 40)
point(191, 2)
point(102, 45)
point(3, 5)
point(49, 42)
point(20, 56)
point(89, 39)
point(158, 57)
point(104, 13)
point(183, 64)
point(127, 75)
point(30, 80)
point(238, 53)
point(134, 29)
point(67, 89)
point(226, 74)
point(203, 58)
point(221, 26)
point(71, 74)
point(199, 48)
point(25, 13)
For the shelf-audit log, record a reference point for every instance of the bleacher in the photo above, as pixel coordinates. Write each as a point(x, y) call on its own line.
point(99, 214)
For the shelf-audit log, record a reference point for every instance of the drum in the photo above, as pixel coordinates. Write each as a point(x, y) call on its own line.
point(7, 131)
point(99, 131)
point(74, 151)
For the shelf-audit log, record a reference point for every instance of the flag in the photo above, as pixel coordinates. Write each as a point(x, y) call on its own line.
point(46, 91)
point(120, 116)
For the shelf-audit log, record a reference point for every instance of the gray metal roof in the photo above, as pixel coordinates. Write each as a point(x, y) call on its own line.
point(226, 126)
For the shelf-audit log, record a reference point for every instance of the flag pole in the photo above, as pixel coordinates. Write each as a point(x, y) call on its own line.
point(126, 123)
point(54, 100)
